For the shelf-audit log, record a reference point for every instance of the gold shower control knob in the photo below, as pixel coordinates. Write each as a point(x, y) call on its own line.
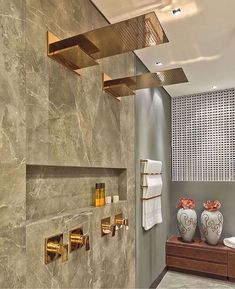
point(54, 249)
point(107, 228)
point(59, 249)
point(121, 222)
point(77, 239)
point(82, 240)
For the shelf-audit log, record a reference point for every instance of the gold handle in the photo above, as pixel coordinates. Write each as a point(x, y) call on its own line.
point(64, 253)
point(80, 240)
point(58, 249)
point(120, 221)
point(76, 239)
point(108, 229)
point(87, 242)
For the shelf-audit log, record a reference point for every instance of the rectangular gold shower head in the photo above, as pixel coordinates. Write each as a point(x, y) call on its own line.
point(73, 58)
point(146, 80)
point(125, 36)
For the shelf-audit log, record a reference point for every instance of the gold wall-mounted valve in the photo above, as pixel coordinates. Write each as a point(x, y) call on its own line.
point(77, 239)
point(107, 228)
point(54, 249)
point(121, 222)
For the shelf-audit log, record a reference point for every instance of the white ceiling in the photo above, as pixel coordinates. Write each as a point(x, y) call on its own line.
point(201, 39)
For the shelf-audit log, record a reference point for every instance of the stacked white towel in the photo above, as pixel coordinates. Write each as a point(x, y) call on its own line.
point(152, 211)
point(152, 167)
point(230, 242)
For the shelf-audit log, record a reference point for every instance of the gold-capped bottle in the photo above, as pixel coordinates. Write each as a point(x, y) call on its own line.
point(97, 194)
point(102, 195)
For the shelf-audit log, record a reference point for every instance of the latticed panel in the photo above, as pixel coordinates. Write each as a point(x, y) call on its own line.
point(203, 137)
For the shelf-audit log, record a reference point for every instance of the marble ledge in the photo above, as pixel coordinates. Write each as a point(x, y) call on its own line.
point(90, 210)
point(33, 164)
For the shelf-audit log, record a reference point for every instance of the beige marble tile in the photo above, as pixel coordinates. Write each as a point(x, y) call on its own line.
point(12, 144)
point(77, 272)
point(12, 82)
point(50, 116)
point(12, 258)
point(71, 122)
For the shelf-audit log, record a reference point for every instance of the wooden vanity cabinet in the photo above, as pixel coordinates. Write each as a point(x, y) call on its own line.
point(231, 264)
point(199, 257)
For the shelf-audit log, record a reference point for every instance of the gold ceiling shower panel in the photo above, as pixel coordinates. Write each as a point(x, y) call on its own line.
point(73, 58)
point(82, 50)
point(119, 87)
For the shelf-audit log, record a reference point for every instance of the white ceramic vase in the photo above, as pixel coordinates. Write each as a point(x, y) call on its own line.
point(212, 226)
point(187, 223)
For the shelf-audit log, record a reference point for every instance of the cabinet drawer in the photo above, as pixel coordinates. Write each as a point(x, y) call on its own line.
point(231, 264)
point(195, 265)
point(211, 255)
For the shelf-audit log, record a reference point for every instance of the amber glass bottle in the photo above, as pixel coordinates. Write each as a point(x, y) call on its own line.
point(97, 194)
point(102, 195)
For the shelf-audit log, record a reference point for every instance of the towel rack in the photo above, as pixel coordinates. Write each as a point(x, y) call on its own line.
point(151, 174)
point(148, 174)
point(144, 199)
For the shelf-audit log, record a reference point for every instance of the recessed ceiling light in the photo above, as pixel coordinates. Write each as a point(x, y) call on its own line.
point(159, 63)
point(214, 87)
point(176, 12)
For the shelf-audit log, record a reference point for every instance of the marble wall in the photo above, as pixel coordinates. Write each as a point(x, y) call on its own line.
point(63, 134)
point(12, 144)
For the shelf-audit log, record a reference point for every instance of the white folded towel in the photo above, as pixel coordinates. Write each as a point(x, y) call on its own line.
point(153, 167)
point(154, 186)
point(152, 213)
point(230, 242)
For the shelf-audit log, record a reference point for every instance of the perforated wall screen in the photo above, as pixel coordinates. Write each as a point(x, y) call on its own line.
point(203, 137)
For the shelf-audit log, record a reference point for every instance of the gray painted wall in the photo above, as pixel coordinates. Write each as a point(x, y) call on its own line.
point(201, 191)
point(153, 140)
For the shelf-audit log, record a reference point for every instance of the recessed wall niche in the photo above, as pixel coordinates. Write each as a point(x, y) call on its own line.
point(52, 190)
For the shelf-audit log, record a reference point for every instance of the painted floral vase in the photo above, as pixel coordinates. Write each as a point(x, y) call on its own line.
point(187, 223)
point(212, 222)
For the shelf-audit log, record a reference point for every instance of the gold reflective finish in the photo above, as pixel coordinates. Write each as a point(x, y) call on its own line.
point(107, 228)
point(73, 58)
point(125, 36)
point(82, 50)
point(54, 249)
point(119, 87)
point(119, 90)
point(121, 222)
point(77, 239)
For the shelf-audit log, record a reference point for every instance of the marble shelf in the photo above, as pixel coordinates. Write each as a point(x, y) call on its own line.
point(86, 211)
point(58, 189)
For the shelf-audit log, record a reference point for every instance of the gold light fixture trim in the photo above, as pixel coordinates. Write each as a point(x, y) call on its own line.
point(127, 85)
point(83, 50)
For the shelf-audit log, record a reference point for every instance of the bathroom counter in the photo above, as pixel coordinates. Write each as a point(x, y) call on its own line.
point(197, 242)
point(199, 257)
point(231, 264)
